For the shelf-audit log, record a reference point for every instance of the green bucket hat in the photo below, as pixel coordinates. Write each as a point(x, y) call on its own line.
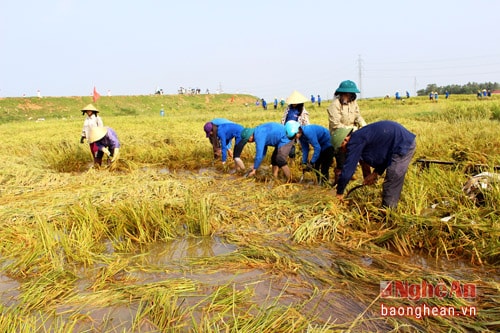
point(246, 134)
point(347, 86)
point(339, 135)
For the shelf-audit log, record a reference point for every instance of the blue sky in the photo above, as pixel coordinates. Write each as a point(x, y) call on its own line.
point(263, 47)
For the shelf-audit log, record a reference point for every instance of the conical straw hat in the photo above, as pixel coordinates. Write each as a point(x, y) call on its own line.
point(97, 133)
point(90, 107)
point(296, 98)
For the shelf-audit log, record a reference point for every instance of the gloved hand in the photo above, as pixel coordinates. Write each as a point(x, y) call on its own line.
point(81, 139)
point(116, 155)
point(106, 151)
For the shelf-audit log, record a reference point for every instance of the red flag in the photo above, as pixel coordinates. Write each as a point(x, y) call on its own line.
point(96, 95)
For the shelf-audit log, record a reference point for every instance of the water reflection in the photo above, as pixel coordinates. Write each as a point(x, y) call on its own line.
point(9, 290)
point(178, 250)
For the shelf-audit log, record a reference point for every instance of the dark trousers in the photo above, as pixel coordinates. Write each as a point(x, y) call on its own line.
point(394, 178)
point(324, 163)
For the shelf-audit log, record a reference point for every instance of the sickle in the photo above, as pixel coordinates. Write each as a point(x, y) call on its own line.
point(354, 189)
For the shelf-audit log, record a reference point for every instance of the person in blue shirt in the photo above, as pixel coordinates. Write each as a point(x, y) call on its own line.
point(275, 103)
point(386, 146)
point(226, 132)
point(322, 158)
point(295, 111)
point(210, 129)
point(264, 104)
point(271, 135)
point(319, 100)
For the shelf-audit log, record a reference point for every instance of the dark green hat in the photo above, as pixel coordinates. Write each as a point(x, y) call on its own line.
point(246, 134)
point(347, 86)
point(339, 135)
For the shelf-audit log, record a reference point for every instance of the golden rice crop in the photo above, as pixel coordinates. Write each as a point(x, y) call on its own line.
point(83, 248)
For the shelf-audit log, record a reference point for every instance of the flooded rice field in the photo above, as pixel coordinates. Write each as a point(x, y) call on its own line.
point(337, 298)
point(242, 255)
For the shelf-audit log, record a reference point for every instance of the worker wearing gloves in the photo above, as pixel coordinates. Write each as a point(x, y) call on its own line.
point(322, 158)
point(386, 146)
point(107, 143)
point(92, 119)
point(275, 135)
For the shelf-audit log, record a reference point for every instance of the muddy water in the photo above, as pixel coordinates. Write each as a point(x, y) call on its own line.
point(332, 297)
point(331, 300)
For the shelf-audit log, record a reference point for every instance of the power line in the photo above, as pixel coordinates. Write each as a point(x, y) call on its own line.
point(495, 57)
point(360, 75)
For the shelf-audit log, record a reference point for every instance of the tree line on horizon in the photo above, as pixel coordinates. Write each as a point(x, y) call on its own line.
point(469, 88)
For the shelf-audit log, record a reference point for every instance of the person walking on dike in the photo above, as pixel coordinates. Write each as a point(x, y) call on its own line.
point(264, 104)
point(274, 135)
point(386, 146)
point(319, 138)
point(107, 143)
point(226, 132)
point(296, 111)
point(92, 119)
point(344, 112)
point(210, 129)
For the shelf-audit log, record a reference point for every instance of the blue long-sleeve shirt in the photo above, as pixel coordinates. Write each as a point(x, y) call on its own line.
point(220, 121)
point(293, 114)
point(268, 134)
point(374, 144)
point(318, 137)
point(226, 132)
